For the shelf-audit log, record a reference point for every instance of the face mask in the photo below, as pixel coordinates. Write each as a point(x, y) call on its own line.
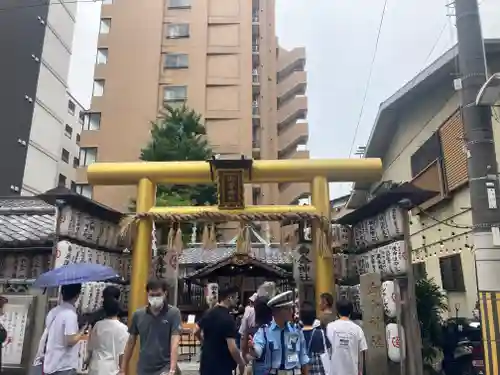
point(155, 302)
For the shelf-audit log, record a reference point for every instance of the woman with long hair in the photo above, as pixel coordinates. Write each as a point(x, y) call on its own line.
point(107, 341)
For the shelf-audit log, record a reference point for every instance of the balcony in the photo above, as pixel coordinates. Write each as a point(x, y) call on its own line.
point(292, 85)
point(297, 154)
point(255, 22)
point(290, 193)
point(255, 80)
point(289, 61)
point(255, 109)
point(293, 135)
point(293, 110)
point(256, 149)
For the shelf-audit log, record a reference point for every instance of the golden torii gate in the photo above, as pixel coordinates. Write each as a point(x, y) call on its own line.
point(317, 172)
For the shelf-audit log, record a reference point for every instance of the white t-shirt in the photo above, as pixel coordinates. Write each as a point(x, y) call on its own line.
point(348, 341)
point(61, 321)
point(107, 343)
point(248, 320)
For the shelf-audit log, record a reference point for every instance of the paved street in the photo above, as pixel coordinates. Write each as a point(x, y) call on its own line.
point(189, 367)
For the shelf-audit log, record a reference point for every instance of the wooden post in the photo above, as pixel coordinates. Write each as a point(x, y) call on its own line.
point(373, 324)
point(411, 324)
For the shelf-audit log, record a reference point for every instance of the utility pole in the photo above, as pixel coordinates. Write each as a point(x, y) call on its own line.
point(483, 174)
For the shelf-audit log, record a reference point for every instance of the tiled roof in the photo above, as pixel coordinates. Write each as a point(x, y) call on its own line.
point(197, 255)
point(25, 222)
point(208, 269)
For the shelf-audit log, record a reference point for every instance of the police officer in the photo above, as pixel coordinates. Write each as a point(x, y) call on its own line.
point(281, 345)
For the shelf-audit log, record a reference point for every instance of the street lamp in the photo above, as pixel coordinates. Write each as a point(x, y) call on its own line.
point(489, 94)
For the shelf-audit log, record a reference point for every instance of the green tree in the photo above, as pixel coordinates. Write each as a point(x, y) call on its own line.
point(180, 136)
point(431, 303)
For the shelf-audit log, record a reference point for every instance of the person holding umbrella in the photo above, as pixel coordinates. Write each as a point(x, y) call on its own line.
point(57, 351)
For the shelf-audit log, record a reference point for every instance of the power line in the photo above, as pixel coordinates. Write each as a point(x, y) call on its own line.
point(429, 55)
point(45, 3)
point(367, 86)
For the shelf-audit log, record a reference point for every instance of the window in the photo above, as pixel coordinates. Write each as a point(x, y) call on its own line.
point(68, 131)
point(92, 121)
point(107, 2)
point(98, 89)
point(71, 107)
point(419, 270)
point(425, 155)
point(177, 30)
point(73, 186)
point(62, 180)
point(452, 276)
point(77, 139)
point(179, 3)
point(88, 155)
point(76, 162)
point(176, 60)
point(65, 155)
point(105, 26)
point(84, 189)
point(102, 56)
point(175, 93)
point(81, 117)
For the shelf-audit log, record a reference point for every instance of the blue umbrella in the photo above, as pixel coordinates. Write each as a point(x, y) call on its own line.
point(76, 273)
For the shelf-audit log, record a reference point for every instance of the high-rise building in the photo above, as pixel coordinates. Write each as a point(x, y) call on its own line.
point(70, 150)
point(35, 50)
point(221, 58)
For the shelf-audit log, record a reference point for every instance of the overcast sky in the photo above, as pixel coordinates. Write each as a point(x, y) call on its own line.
point(339, 36)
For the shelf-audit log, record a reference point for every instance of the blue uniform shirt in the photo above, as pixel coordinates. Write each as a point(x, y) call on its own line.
point(285, 349)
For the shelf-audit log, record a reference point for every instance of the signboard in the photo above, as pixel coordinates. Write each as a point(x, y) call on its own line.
point(230, 185)
point(373, 323)
point(16, 321)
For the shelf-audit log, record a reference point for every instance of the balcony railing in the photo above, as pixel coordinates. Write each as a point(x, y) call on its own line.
point(255, 76)
point(255, 18)
point(255, 47)
point(255, 107)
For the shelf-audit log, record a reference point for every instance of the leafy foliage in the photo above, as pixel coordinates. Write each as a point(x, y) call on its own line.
point(430, 306)
point(180, 136)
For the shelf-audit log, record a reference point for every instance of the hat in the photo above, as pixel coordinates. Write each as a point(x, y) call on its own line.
point(253, 297)
point(284, 299)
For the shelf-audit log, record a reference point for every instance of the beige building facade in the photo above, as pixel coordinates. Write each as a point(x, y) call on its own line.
point(426, 147)
point(219, 57)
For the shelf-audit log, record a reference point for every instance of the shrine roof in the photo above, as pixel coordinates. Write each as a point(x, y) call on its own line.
point(198, 255)
point(239, 259)
point(26, 222)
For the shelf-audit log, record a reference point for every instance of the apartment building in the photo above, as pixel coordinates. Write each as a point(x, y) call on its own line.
point(36, 52)
point(419, 135)
point(75, 121)
point(222, 59)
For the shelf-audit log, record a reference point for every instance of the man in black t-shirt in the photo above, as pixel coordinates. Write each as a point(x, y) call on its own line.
point(220, 355)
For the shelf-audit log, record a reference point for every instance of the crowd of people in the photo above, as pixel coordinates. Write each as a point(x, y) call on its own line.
point(275, 341)
point(110, 343)
point(271, 337)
